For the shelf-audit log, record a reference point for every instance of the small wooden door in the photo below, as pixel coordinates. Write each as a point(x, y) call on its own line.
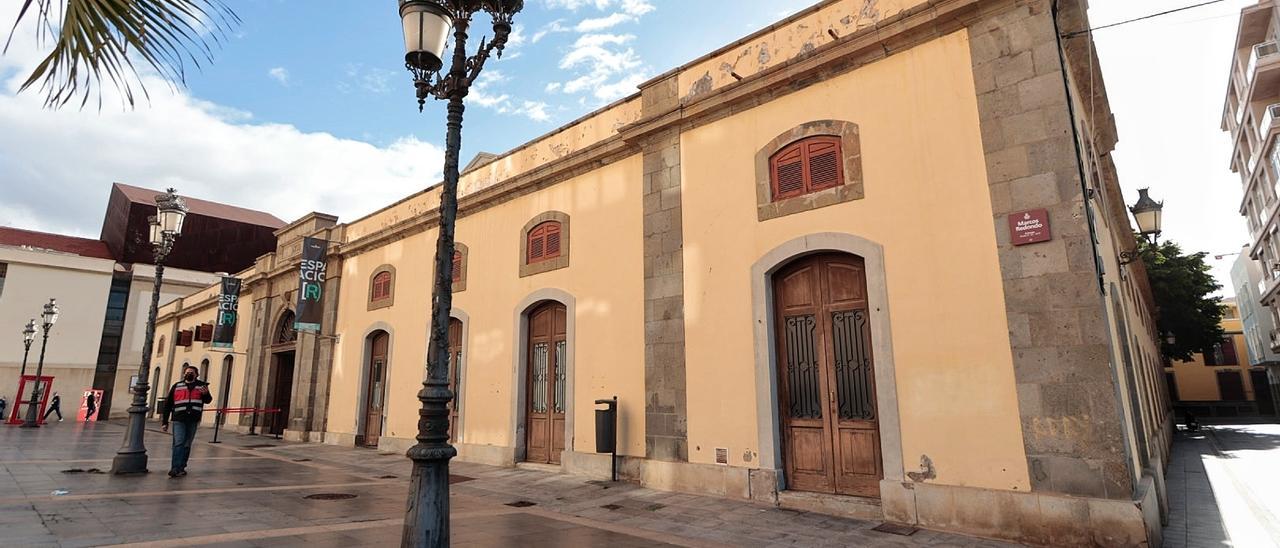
point(376, 389)
point(826, 377)
point(1262, 392)
point(545, 385)
point(455, 371)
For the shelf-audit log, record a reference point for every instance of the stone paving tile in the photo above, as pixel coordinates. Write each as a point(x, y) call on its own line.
point(240, 496)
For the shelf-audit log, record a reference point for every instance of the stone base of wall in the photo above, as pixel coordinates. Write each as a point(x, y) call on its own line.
point(339, 438)
point(492, 455)
point(1035, 518)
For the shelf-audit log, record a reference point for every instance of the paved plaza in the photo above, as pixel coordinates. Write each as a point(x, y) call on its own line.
point(253, 491)
point(1224, 489)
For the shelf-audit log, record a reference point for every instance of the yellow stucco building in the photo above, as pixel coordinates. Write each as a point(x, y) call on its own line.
point(862, 261)
point(1221, 383)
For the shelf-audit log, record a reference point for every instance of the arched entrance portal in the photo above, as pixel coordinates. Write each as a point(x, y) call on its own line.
point(455, 373)
point(545, 384)
point(826, 376)
point(376, 388)
point(280, 392)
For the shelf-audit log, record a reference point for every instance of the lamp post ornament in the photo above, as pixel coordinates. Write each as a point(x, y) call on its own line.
point(49, 317)
point(166, 226)
point(28, 335)
point(427, 24)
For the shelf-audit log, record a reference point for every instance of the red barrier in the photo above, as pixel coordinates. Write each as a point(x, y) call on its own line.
point(222, 411)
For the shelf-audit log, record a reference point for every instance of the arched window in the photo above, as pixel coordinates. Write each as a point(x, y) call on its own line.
point(382, 287)
point(813, 165)
point(544, 242)
point(459, 267)
point(806, 166)
point(285, 331)
point(160, 346)
point(204, 369)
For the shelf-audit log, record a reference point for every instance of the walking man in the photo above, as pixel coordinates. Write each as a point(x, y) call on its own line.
point(186, 404)
point(55, 406)
point(90, 406)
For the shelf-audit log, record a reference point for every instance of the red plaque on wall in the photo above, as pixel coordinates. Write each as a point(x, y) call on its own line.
point(1029, 227)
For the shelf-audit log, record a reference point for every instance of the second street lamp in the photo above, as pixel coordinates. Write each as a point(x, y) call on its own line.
point(1149, 214)
point(166, 226)
point(28, 335)
point(49, 317)
point(426, 26)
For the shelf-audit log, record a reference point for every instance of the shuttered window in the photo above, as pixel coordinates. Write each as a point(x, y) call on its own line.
point(381, 287)
point(457, 266)
point(806, 166)
point(544, 242)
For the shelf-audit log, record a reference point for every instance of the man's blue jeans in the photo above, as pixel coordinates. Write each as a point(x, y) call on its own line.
point(184, 434)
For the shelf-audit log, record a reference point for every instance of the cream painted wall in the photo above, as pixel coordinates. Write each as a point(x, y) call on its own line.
point(927, 202)
point(604, 276)
point(204, 312)
point(81, 285)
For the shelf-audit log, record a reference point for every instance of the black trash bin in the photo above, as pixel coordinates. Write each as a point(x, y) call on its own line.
point(607, 433)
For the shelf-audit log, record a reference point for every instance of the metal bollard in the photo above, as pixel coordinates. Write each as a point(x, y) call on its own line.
point(253, 423)
point(217, 421)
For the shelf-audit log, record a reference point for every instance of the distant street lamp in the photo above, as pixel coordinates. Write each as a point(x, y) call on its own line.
point(1149, 214)
point(28, 335)
point(166, 226)
point(426, 32)
point(49, 317)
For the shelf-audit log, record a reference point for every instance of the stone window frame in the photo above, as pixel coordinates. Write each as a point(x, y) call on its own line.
point(556, 263)
point(390, 299)
point(852, 189)
point(460, 282)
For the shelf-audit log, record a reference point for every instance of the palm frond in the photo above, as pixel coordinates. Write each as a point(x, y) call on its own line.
point(94, 43)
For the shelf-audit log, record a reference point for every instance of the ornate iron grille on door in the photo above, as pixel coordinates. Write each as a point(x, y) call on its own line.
point(852, 365)
point(804, 388)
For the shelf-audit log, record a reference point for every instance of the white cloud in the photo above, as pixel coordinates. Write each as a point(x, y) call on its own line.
point(482, 95)
point(371, 79)
point(549, 28)
point(601, 23)
point(204, 150)
point(279, 74)
point(604, 69)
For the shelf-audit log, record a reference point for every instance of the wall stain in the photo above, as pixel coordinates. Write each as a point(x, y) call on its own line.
point(926, 472)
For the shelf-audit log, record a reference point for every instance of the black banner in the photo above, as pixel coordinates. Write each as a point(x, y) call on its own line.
point(310, 285)
point(224, 327)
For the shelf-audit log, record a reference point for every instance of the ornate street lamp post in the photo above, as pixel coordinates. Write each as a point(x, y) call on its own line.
point(49, 317)
point(28, 335)
point(165, 228)
point(1149, 214)
point(426, 32)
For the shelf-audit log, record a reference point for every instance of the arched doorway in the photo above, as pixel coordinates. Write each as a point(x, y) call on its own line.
point(155, 390)
point(375, 388)
point(545, 384)
point(826, 376)
point(455, 373)
point(204, 370)
point(280, 390)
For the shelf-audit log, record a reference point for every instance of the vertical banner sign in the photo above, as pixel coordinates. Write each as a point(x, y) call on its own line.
point(224, 328)
point(310, 285)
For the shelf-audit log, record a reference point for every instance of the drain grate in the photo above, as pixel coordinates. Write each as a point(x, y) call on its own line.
point(522, 504)
point(259, 446)
point(330, 496)
point(655, 507)
point(73, 471)
point(611, 507)
point(301, 460)
point(389, 476)
point(895, 529)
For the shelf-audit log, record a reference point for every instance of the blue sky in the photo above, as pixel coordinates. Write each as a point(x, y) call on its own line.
point(307, 107)
point(339, 69)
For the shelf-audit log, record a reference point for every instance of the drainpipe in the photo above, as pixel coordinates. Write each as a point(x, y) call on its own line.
point(1099, 271)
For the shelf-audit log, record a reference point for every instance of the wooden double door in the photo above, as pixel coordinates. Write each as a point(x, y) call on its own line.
point(545, 384)
point(375, 389)
point(826, 377)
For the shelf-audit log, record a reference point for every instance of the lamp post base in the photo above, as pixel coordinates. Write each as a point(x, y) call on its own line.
point(132, 457)
point(427, 515)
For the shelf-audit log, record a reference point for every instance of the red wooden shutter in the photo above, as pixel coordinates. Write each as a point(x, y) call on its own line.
point(806, 166)
point(381, 286)
point(184, 337)
point(204, 332)
point(788, 172)
point(457, 266)
point(537, 238)
point(553, 240)
point(824, 166)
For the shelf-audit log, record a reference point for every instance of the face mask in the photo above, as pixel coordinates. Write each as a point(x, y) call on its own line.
point(190, 377)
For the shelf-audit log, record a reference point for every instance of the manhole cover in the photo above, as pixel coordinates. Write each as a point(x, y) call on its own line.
point(73, 471)
point(655, 507)
point(330, 496)
point(458, 479)
point(611, 507)
point(522, 504)
point(259, 446)
point(895, 529)
point(301, 460)
point(389, 476)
